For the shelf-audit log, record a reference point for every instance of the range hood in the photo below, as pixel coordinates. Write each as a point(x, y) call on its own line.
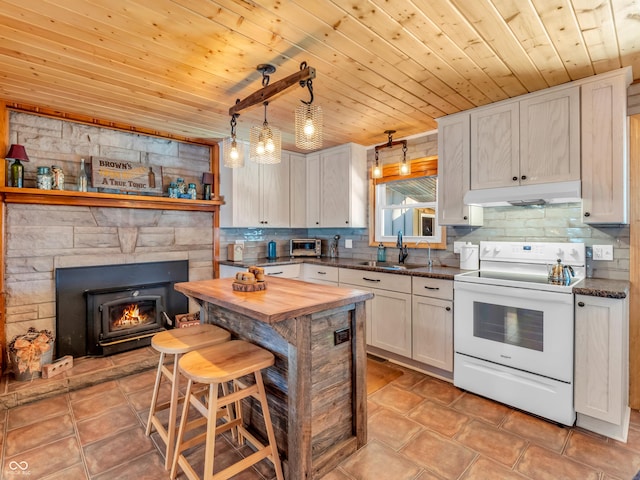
point(539, 194)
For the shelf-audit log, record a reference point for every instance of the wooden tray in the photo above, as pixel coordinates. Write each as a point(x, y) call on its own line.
point(249, 287)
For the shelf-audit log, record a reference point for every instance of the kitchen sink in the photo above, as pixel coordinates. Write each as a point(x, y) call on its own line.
point(389, 265)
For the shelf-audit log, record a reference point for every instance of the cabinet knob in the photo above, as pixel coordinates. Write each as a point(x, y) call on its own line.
point(523, 177)
point(515, 179)
point(587, 214)
point(448, 309)
point(465, 218)
point(347, 222)
point(317, 223)
point(581, 304)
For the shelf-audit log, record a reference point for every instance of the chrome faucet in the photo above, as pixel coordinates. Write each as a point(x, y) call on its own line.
point(404, 251)
point(429, 261)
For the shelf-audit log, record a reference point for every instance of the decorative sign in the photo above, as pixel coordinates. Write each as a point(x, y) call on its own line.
point(125, 176)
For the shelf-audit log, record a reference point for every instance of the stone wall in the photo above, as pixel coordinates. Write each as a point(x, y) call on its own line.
point(41, 238)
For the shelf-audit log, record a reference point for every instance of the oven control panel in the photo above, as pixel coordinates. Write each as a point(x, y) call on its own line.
point(533, 252)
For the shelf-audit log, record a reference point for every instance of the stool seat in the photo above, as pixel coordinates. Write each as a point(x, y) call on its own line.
point(184, 340)
point(216, 365)
point(176, 342)
point(224, 362)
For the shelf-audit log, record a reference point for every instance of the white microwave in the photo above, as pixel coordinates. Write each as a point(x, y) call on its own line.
point(305, 247)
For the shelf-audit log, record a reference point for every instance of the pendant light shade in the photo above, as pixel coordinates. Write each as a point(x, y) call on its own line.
point(308, 126)
point(265, 142)
point(232, 151)
point(405, 167)
point(376, 171)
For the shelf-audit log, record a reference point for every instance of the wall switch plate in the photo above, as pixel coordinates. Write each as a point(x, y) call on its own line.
point(457, 245)
point(348, 243)
point(603, 252)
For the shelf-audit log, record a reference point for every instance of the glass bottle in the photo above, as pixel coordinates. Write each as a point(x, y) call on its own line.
point(192, 191)
point(382, 253)
point(17, 174)
point(152, 178)
point(82, 178)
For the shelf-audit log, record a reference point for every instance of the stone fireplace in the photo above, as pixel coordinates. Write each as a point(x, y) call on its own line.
point(102, 310)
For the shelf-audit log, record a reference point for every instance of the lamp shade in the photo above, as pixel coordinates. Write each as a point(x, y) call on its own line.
point(207, 178)
point(17, 152)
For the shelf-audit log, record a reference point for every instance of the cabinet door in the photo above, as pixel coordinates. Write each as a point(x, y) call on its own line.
point(246, 195)
point(275, 194)
point(335, 188)
point(454, 172)
point(601, 357)
point(313, 190)
point(297, 191)
point(550, 137)
point(604, 153)
point(433, 332)
point(495, 146)
point(391, 322)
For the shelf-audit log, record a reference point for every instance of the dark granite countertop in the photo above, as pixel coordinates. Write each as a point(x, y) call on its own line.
point(412, 269)
point(595, 287)
point(602, 287)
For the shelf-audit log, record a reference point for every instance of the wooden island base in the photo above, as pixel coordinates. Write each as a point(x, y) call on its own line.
point(317, 387)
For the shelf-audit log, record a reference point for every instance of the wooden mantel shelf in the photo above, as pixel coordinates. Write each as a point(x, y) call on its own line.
point(95, 199)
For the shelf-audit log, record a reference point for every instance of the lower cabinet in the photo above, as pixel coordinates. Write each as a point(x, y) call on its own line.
point(284, 271)
point(602, 365)
point(389, 312)
point(432, 331)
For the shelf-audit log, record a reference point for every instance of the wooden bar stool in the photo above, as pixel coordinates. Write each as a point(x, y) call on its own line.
point(217, 365)
point(176, 342)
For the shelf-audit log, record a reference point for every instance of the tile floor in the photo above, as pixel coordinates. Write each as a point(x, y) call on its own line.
point(420, 428)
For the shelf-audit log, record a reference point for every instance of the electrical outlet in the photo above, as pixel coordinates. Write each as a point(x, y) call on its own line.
point(603, 252)
point(457, 245)
point(348, 243)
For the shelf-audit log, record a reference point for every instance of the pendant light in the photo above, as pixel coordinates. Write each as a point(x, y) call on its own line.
point(265, 142)
point(377, 169)
point(405, 168)
point(232, 151)
point(308, 120)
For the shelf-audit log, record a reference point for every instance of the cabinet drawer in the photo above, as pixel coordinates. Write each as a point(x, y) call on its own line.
point(319, 272)
point(283, 271)
point(433, 287)
point(384, 281)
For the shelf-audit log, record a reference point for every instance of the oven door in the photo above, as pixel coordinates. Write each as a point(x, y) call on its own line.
point(527, 329)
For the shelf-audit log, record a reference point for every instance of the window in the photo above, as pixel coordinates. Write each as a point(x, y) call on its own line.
point(408, 204)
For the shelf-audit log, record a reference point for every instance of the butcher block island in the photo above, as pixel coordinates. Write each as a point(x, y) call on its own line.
point(317, 388)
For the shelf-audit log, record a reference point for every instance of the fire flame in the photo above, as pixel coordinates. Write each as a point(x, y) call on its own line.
point(131, 316)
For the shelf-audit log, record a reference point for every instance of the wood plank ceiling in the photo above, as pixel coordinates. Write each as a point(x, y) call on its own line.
point(177, 66)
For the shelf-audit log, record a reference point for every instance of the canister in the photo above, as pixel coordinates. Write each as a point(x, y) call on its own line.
point(44, 180)
point(469, 257)
point(271, 250)
point(58, 178)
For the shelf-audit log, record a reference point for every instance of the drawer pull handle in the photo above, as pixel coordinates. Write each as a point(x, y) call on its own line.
point(275, 273)
point(371, 279)
point(321, 273)
point(432, 288)
point(581, 304)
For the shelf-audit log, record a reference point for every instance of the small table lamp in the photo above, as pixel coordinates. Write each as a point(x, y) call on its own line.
point(17, 153)
point(207, 180)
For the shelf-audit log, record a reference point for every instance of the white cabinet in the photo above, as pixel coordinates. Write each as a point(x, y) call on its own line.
point(255, 195)
point(389, 312)
point(454, 172)
point(605, 165)
point(432, 317)
point(602, 365)
point(297, 190)
point(531, 140)
point(337, 187)
point(310, 272)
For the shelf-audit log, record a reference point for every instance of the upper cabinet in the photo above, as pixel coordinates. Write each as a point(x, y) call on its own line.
point(605, 163)
point(528, 141)
point(297, 190)
point(256, 195)
point(337, 187)
point(454, 172)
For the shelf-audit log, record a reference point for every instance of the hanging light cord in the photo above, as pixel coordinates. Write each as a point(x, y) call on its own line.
point(265, 124)
point(233, 125)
